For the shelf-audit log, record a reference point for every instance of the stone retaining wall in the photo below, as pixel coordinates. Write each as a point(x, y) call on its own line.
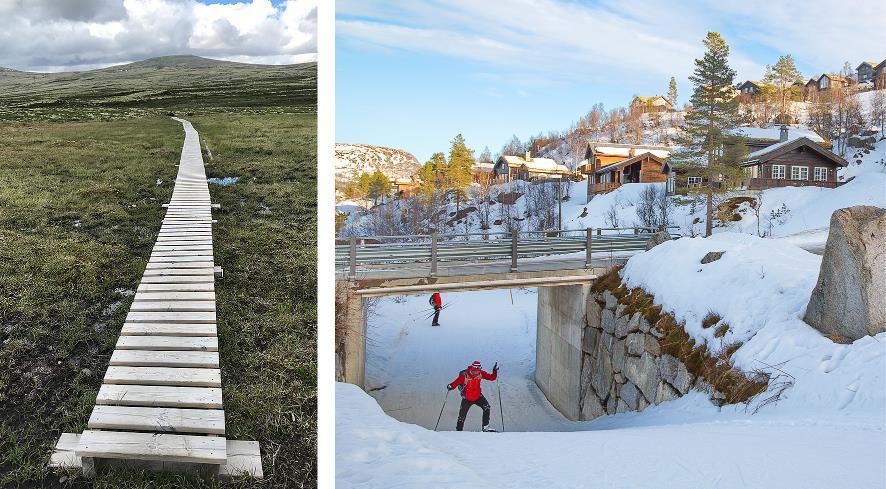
point(622, 366)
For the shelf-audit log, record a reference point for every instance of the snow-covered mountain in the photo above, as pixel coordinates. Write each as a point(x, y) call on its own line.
point(366, 158)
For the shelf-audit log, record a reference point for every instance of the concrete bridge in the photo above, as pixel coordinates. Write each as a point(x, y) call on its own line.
point(376, 266)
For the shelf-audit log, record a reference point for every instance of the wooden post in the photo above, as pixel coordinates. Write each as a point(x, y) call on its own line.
point(353, 256)
point(434, 254)
point(590, 233)
point(513, 251)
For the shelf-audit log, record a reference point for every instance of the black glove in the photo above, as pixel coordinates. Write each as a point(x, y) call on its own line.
point(495, 367)
point(449, 387)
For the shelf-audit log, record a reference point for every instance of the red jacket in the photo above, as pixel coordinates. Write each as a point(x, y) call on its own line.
point(471, 390)
point(438, 303)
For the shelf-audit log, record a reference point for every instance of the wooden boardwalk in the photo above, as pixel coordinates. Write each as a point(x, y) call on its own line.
point(161, 398)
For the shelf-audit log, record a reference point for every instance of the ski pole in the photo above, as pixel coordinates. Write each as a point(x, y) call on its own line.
point(500, 411)
point(441, 410)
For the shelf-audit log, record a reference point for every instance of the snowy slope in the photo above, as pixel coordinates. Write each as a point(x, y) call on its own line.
point(826, 431)
point(365, 158)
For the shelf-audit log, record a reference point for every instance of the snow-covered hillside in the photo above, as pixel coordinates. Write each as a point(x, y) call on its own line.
point(827, 429)
point(365, 158)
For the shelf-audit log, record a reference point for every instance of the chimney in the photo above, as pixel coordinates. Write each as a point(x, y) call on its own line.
point(528, 155)
point(783, 133)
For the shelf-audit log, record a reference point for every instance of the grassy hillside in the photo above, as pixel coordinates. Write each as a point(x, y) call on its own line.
point(170, 83)
point(80, 196)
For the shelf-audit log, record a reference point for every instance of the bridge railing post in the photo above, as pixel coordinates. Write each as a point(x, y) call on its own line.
point(589, 232)
point(514, 251)
point(352, 273)
point(433, 254)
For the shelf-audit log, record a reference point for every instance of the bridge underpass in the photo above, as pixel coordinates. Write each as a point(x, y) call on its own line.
point(562, 264)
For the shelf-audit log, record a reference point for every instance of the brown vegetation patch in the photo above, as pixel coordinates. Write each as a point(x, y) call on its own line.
point(721, 330)
point(710, 319)
point(717, 370)
point(508, 198)
point(726, 211)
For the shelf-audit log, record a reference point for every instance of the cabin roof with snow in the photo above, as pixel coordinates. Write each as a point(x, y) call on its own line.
point(773, 133)
point(541, 165)
point(624, 150)
point(655, 100)
point(483, 167)
point(872, 64)
point(750, 84)
point(647, 155)
point(779, 149)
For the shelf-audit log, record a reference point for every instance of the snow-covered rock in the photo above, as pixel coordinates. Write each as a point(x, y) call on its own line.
point(365, 158)
point(848, 299)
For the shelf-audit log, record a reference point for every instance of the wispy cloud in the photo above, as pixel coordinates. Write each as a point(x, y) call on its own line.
point(617, 39)
point(51, 35)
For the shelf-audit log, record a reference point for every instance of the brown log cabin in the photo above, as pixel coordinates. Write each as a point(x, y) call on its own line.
point(793, 163)
point(610, 165)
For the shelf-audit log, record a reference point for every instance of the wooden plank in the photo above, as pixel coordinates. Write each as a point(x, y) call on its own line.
point(244, 457)
point(160, 395)
point(188, 377)
point(159, 358)
point(185, 244)
point(174, 287)
point(180, 268)
point(170, 317)
point(168, 343)
point(63, 455)
point(177, 279)
point(152, 446)
point(179, 239)
point(182, 247)
point(158, 419)
point(168, 329)
point(173, 296)
point(160, 272)
point(173, 306)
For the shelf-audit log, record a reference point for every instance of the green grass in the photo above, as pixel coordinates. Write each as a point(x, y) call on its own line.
point(79, 212)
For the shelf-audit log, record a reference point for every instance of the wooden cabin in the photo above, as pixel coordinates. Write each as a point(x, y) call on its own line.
point(757, 138)
point(750, 87)
point(643, 168)
point(509, 168)
point(407, 187)
point(830, 80)
point(483, 173)
point(793, 163)
point(865, 71)
point(655, 103)
point(880, 75)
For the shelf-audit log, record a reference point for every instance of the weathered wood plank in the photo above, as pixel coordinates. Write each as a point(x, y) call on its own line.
point(188, 377)
point(168, 329)
point(177, 279)
point(244, 457)
point(173, 287)
point(153, 446)
point(173, 306)
point(170, 317)
point(159, 358)
point(168, 343)
point(160, 395)
point(159, 272)
point(173, 296)
point(158, 419)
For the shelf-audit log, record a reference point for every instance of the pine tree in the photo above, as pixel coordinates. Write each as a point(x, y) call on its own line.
point(672, 92)
point(431, 174)
point(782, 76)
point(460, 169)
point(379, 187)
point(709, 128)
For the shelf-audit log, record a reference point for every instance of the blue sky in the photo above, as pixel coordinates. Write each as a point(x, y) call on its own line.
point(412, 75)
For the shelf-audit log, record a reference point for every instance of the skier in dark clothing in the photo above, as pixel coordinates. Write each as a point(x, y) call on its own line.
point(437, 303)
point(468, 382)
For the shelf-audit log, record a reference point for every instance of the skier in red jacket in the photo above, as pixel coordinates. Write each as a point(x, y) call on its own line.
point(468, 382)
point(437, 304)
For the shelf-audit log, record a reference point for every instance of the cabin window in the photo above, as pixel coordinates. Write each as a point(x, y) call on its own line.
point(672, 183)
point(777, 171)
point(693, 181)
point(823, 84)
point(799, 173)
point(821, 174)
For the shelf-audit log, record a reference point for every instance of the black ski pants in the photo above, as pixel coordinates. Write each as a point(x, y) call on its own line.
point(463, 411)
point(436, 316)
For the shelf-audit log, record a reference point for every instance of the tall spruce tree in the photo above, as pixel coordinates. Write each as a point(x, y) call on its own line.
point(708, 142)
point(460, 169)
point(782, 76)
point(672, 92)
point(431, 174)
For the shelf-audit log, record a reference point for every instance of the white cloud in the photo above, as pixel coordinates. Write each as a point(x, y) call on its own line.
point(638, 40)
point(52, 35)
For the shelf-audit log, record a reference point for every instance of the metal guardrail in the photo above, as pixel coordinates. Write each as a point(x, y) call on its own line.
point(397, 251)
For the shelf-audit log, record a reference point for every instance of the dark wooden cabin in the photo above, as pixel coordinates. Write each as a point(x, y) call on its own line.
point(643, 168)
point(793, 163)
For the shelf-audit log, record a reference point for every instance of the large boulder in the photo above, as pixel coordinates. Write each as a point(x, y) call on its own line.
point(848, 300)
point(657, 239)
